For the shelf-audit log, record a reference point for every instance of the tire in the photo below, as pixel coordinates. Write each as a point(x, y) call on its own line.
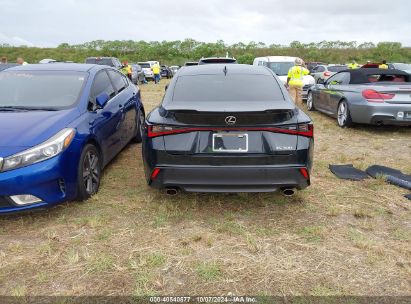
point(88, 173)
point(344, 119)
point(310, 102)
point(140, 125)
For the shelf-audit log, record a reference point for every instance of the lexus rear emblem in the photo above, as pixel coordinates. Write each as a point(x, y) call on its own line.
point(230, 120)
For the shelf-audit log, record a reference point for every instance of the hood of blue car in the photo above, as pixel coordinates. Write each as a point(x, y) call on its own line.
point(22, 130)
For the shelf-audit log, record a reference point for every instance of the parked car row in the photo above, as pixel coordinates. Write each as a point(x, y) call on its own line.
point(217, 130)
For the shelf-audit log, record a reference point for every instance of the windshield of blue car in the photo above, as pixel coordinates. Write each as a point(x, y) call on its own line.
point(233, 88)
point(40, 89)
point(280, 68)
point(337, 68)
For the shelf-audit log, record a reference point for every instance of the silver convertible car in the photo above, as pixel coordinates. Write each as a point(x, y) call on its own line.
point(364, 96)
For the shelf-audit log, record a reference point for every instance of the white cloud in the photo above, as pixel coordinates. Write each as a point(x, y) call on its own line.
point(47, 22)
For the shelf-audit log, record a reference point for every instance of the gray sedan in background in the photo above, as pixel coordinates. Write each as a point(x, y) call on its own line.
point(324, 71)
point(366, 96)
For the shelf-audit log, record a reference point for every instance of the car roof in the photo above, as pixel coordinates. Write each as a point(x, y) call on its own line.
point(99, 57)
point(77, 67)
point(215, 69)
point(278, 58)
point(5, 66)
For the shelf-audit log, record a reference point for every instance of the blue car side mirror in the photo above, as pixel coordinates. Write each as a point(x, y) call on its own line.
point(102, 99)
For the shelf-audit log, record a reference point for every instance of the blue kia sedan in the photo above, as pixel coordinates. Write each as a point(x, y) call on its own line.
point(60, 125)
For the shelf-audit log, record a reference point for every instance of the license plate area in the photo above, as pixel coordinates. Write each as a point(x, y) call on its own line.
point(230, 142)
point(407, 115)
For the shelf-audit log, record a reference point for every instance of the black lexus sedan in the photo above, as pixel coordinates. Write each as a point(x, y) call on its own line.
point(227, 128)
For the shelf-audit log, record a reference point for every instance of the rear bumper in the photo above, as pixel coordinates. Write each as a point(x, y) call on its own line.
point(384, 113)
point(230, 178)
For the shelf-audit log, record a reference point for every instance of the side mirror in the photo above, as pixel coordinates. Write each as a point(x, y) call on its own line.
point(166, 87)
point(102, 99)
point(320, 81)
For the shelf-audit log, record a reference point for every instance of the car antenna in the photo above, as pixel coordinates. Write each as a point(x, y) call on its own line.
point(225, 70)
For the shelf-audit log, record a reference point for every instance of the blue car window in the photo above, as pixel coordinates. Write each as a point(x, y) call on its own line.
point(119, 80)
point(101, 84)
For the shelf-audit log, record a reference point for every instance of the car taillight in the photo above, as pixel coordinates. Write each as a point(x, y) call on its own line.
point(305, 173)
point(154, 174)
point(304, 129)
point(374, 96)
point(327, 74)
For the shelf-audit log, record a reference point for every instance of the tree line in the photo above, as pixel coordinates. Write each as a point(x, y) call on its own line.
point(177, 52)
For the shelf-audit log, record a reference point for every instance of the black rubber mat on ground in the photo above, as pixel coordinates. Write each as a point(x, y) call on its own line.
point(408, 196)
point(393, 176)
point(348, 172)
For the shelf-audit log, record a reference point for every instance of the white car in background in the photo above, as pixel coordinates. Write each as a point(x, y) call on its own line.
point(280, 66)
point(147, 68)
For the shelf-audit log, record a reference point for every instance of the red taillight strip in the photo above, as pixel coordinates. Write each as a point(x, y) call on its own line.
point(308, 133)
point(305, 173)
point(154, 174)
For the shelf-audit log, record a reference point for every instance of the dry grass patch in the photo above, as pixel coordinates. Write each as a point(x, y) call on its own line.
point(334, 238)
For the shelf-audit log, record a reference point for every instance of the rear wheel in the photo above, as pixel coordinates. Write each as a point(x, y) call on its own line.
point(310, 103)
point(89, 172)
point(343, 115)
point(140, 125)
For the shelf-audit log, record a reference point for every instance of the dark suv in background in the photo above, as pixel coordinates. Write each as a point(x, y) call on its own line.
point(110, 61)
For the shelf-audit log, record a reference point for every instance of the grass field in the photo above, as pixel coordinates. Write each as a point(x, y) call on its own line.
point(334, 238)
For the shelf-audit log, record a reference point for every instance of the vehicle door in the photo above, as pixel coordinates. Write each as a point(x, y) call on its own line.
point(325, 93)
point(126, 105)
point(337, 89)
point(105, 120)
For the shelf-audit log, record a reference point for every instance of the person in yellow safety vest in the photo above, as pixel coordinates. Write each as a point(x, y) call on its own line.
point(383, 65)
point(295, 81)
point(156, 71)
point(353, 65)
point(126, 69)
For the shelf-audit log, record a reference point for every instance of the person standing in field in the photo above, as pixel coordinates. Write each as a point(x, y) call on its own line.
point(21, 61)
point(126, 70)
point(383, 65)
point(295, 81)
point(156, 71)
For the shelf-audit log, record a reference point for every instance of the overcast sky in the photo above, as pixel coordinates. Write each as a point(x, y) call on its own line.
point(51, 22)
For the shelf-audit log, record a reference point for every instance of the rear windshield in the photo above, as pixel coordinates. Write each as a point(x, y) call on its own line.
point(43, 89)
point(217, 60)
point(280, 68)
point(337, 68)
point(100, 61)
point(234, 88)
point(145, 65)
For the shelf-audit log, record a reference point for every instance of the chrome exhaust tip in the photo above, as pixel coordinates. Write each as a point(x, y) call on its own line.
point(171, 191)
point(288, 192)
